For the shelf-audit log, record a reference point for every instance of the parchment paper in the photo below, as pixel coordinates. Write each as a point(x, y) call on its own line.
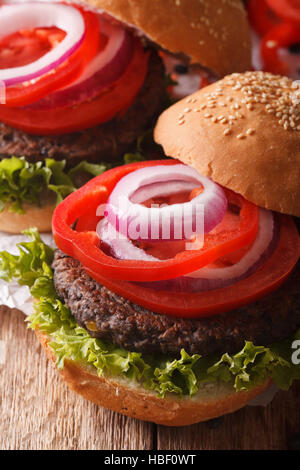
point(11, 294)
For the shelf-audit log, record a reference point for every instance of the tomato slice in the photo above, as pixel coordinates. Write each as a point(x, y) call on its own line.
point(27, 46)
point(106, 106)
point(267, 279)
point(85, 246)
point(286, 9)
point(282, 35)
point(66, 73)
point(261, 16)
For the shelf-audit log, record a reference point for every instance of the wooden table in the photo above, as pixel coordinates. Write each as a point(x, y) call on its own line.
point(39, 412)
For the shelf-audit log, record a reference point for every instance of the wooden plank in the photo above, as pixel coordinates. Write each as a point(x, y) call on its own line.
point(38, 411)
point(253, 428)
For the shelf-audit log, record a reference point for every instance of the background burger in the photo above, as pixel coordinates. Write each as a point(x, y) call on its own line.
point(150, 328)
point(84, 82)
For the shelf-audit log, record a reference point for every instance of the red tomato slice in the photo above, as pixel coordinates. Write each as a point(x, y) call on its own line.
point(85, 246)
point(261, 16)
point(66, 73)
point(267, 279)
point(114, 100)
point(287, 9)
point(25, 47)
point(282, 35)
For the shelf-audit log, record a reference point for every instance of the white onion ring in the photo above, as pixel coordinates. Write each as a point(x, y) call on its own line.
point(121, 246)
point(162, 190)
point(103, 70)
point(122, 211)
point(263, 240)
point(205, 278)
point(15, 17)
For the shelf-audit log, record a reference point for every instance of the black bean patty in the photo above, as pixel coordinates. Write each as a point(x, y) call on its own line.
point(105, 142)
point(110, 317)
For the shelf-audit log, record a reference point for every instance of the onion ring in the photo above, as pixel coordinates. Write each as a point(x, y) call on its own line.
point(206, 278)
point(102, 71)
point(184, 219)
point(15, 17)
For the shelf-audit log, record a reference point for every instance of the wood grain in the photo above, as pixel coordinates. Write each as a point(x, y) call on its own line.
point(254, 428)
point(39, 412)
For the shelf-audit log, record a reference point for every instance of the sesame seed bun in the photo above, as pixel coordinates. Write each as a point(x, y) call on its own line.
point(130, 399)
point(244, 133)
point(206, 31)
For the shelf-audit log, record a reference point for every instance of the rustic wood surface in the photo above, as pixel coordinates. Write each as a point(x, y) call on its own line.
point(39, 412)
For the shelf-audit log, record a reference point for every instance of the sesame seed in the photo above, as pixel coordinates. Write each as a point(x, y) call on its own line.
point(227, 132)
point(278, 95)
point(240, 136)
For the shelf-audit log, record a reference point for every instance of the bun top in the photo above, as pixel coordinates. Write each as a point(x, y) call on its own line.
point(206, 31)
point(244, 133)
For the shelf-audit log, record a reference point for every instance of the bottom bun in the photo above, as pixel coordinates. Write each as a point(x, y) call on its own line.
point(132, 400)
point(34, 216)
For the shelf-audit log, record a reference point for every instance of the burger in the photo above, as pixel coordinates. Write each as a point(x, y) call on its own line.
point(83, 82)
point(173, 296)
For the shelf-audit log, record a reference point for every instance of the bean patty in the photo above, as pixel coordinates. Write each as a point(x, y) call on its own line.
point(106, 142)
point(110, 317)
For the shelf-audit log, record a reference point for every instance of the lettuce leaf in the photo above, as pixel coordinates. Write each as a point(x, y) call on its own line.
point(182, 376)
point(23, 182)
point(145, 148)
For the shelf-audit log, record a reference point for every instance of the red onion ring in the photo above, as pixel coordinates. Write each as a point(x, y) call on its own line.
point(184, 219)
point(162, 190)
point(15, 17)
point(119, 245)
point(101, 72)
point(205, 278)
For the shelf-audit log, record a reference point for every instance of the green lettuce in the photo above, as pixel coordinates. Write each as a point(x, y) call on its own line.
point(182, 376)
point(24, 182)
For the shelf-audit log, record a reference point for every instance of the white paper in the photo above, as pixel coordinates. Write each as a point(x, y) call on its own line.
point(12, 294)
